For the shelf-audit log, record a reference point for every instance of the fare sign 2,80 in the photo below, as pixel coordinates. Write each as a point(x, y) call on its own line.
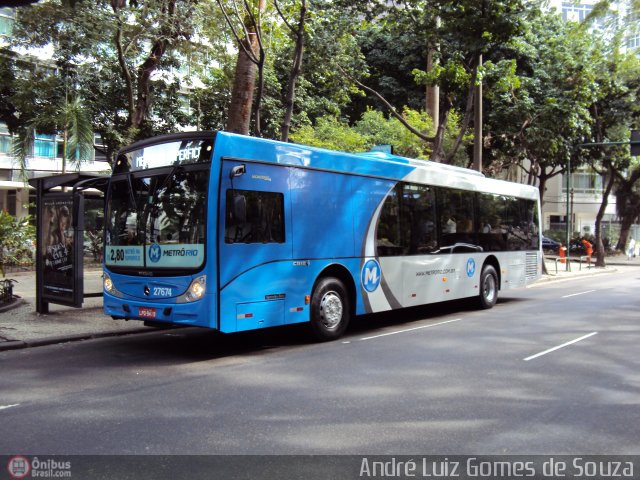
point(126, 256)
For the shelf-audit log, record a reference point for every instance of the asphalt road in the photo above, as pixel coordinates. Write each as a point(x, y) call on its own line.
point(445, 379)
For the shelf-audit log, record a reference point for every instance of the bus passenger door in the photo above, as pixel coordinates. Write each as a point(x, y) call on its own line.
point(254, 239)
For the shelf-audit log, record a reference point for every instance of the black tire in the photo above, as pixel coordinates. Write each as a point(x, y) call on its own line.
point(330, 309)
point(488, 287)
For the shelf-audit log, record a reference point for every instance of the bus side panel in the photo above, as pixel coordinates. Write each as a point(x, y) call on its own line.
point(240, 255)
point(437, 278)
point(322, 218)
point(272, 294)
point(367, 200)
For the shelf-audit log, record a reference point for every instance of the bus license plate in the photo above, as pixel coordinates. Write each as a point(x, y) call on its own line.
point(147, 312)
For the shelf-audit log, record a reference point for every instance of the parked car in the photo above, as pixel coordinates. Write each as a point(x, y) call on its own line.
point(549, 245)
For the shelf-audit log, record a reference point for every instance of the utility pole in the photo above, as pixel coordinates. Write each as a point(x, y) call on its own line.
point(477, 124)
point(432, 93)
point(568, 239)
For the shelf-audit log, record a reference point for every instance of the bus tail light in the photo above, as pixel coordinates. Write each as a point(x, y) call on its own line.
point(195, 291)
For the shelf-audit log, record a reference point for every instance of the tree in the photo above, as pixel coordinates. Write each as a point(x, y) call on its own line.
point(162, 23)
point(542, 86)
point(321, 89)
point(37, 101)
point(612, 112)
point(17, 238)
point(251, 58)
point(627, 192)
point(119, 55)
point(298, 34)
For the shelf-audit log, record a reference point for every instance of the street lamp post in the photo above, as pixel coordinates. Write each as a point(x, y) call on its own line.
point(568, 238)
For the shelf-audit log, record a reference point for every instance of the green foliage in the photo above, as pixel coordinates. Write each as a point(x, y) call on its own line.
point(96, 244)
point(17, 241)
point(391, 51)
point(539, 93)
point(331, 133)
point(379, 130)
point(376, 129)
point(85, 41)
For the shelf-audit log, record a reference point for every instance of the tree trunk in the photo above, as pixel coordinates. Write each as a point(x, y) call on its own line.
point(125, 72)
point(438, 144)
point(139, 108)
point(143, 100)
point(625, 228)
point(293, 76)
point(259, 93)
point(250, 63)
point(468, 112)
point(542, 186)
point(244, 83)
point(600, 262)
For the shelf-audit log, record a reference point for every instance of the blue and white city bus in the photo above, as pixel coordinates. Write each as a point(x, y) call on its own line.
point(235, 233)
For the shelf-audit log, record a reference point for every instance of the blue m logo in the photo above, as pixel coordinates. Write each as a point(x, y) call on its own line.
point(155, 253)
point(371, 274)
point(471, 267)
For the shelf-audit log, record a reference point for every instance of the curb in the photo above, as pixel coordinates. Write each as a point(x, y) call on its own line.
point(18, 344)
point(556, 278)
point(14, 304)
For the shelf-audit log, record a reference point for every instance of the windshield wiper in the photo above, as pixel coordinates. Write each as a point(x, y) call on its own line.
point(165, 182)
point(132, 197)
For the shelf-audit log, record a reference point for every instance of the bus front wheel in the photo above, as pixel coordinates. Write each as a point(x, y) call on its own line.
point(330, 309)
point(488, 287)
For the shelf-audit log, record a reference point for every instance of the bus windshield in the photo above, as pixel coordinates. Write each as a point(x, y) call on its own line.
point(156, 218)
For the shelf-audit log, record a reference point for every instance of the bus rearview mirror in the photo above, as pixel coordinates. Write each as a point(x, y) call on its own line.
point(238, 171)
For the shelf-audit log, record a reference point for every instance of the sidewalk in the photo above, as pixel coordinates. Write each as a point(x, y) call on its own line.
point(21, 326)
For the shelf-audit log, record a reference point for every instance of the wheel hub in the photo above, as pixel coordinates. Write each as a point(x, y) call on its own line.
point(489, 288)
point(331, 309)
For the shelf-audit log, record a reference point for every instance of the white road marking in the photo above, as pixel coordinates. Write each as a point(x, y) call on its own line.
point(576, 294)
point(560, 346)
point(4, 407)
point(411, 329)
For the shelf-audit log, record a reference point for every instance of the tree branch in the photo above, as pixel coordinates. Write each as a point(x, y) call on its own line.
point(393, 111)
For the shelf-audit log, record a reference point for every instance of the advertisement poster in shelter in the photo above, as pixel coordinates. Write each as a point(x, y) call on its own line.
point(57, 248)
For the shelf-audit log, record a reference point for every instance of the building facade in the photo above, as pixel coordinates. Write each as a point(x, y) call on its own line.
point(46, 158)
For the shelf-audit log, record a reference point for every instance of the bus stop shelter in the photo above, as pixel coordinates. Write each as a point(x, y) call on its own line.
point(60, 227)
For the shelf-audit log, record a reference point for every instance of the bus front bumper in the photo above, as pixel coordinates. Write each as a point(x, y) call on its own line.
point(192, 314)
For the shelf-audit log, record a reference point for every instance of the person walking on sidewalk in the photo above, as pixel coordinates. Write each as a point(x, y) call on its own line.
point(631, 250)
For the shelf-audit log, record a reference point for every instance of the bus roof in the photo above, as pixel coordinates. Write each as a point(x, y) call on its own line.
point(374, 164)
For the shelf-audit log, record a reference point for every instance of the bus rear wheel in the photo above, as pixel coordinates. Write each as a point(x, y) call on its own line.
point(488, 287)
point(330, 309)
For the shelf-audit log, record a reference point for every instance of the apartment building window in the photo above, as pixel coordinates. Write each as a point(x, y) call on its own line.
point(634, 42)
point(585, 182)
point(44, 146)
point(578, 12)
point(5, 144)
point(7, 19)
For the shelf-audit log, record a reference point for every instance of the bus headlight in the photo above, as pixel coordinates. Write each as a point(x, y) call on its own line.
point(109, 287)
point(196, 290)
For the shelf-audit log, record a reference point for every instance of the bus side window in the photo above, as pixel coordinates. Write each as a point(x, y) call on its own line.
point(389, 234)
point(457, 222)
point(407, 224)
point(421, 220)
point(254, 217)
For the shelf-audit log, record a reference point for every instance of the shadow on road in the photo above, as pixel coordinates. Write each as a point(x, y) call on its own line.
point(178, 345)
